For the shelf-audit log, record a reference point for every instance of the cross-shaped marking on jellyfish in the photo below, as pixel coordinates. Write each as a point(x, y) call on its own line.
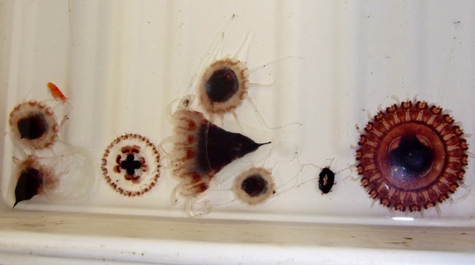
point(130, 164)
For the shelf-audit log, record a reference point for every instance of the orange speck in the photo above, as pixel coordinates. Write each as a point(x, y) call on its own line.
point(56, 92)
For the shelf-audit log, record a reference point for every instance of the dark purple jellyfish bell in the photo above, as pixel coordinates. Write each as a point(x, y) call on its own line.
point(33, 178)
point(222, 85)
point(202, 149)
point(218, 147)
point(29, 184)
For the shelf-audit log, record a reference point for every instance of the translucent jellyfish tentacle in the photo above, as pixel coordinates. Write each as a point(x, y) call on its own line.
point(201, 149)
point(174, 194)
point(190, 207)
point(257, 68)
point(165, 141)
point(245, 45)
point(263, 121)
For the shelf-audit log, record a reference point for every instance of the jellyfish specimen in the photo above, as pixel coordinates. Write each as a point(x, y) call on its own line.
point(33, 125)
point(323, 178)
point(326, 180)
point(254, 186)
point(67, 176)
point(201, 149)
point(223, 82)
point(223, 86)
point(411, 156)
point(32, 179)
point(131, 165)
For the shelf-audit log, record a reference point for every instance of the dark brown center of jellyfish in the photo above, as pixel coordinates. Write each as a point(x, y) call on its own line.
point(254, 185)
point(218, 147)
point(411, 158)
point(28, 184)
point(222, 85)
point(130, 164)
point(32, 127)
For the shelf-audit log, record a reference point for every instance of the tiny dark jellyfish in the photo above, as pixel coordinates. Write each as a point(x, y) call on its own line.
point(32, 177)
point(131, 165)
point(33, 125)
point(201, 149)
point(326, 179)
point(224, 86)
point(254, 186)
point(412, 156)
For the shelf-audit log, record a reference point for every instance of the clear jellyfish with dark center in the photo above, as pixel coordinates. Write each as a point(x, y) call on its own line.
point(254, 186)
point(33, 125)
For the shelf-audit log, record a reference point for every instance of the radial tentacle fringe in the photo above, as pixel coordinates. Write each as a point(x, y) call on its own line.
point(411, 156)
point(201, 149)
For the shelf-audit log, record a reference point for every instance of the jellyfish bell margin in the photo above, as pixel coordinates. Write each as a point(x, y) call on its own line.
point(201, 149)
point(411, 156)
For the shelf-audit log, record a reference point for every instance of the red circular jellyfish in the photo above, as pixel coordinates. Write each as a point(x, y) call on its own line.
point(33, 125)
point(411, 156)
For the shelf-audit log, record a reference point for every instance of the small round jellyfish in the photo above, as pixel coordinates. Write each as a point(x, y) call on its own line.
point(33, 178)
point(33, 125)
point(325, 177)
point(224, 85)
point(254, 186)
point(411, 156)
point(201, 149)
point(326, 180)
point(131, 165)
point(223, 81)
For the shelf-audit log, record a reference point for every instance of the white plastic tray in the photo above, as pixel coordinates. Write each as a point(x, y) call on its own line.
point(122, 63)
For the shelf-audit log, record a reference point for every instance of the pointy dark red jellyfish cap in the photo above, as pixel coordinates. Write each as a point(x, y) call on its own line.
point(29, 184)
point(201, 149)
point(218, 147)
point(33, 178)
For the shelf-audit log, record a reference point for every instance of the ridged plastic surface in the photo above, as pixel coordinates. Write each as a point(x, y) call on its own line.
point(321, 69)
point(330, 66)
